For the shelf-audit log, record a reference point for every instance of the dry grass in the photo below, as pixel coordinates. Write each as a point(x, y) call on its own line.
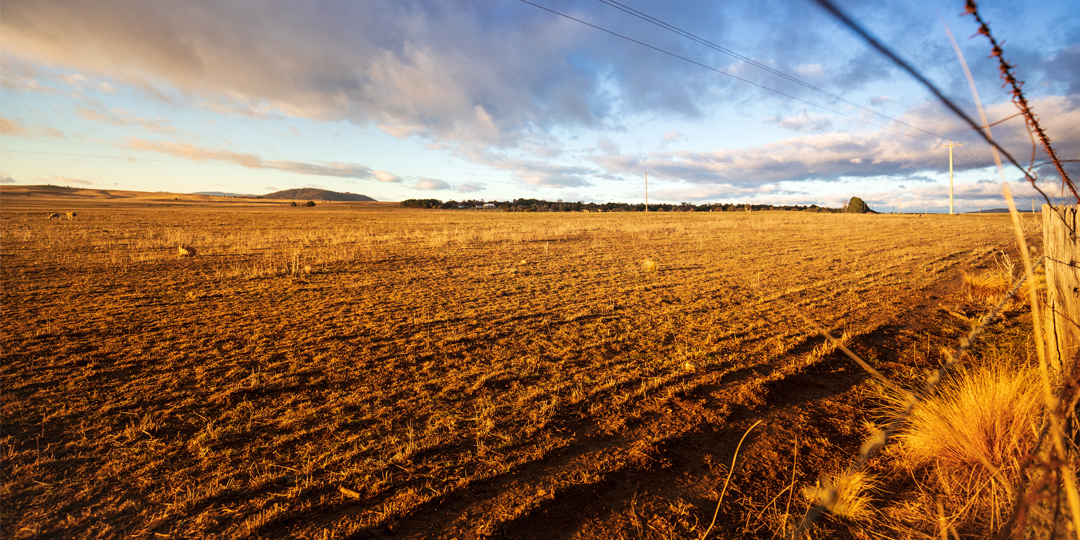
point(990, 285)
point(852, 495)
point(968, 440)
point(358, 371)
point(987, 285)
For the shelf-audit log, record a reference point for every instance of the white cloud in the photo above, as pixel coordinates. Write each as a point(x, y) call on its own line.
point(672, 136)
point(121, 117)
point(449, 71)
point(811, 71)
point(67, 180)
point(11, 127)
point(833, 155)
point(196, 153)
point(74, 79)
point(803, 123)
point(607, 146)
point(384, 176)
point(431, 184)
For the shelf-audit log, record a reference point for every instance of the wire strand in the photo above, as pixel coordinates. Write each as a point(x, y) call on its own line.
point(755, 63)
point(722, 72)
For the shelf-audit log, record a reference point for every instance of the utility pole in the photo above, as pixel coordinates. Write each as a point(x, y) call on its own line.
point(646, 192)
point(950, 146)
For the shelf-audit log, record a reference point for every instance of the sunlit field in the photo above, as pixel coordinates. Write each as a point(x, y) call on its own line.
point(356, 371)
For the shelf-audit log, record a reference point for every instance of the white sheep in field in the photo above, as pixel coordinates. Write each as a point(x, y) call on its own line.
point(53, 215)
point(70, 216)
point(186, 251)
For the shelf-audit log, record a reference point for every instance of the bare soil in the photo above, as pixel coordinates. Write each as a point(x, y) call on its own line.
point(356, 371)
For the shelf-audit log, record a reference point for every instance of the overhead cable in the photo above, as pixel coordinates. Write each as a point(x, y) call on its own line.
point(900, 62)
point(754, 63)
point(717, 70)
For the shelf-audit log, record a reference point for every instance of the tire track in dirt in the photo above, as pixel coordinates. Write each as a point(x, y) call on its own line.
point(577, 490)
point(253, 392)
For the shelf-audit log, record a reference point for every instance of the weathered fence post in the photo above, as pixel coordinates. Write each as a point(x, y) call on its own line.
point(1063, 286)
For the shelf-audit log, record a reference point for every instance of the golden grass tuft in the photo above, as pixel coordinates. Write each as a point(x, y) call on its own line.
point(852, 499)
point(987, 285)
point(991, 285)
point(984, 416)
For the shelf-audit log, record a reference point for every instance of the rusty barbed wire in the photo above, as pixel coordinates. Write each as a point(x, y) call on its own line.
point(865, 35)
point(1018, 98)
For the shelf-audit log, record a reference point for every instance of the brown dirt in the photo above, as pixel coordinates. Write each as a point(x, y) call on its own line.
point(359, 371)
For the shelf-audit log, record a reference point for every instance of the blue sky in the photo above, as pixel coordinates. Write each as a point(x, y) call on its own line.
point(501, 99)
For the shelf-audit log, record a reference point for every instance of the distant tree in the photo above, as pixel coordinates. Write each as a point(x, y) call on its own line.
point(309, 203)
point(858, 206)
point(421, 203)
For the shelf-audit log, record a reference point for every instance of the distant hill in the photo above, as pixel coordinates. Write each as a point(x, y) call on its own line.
point(222, 194)
point(316, 194)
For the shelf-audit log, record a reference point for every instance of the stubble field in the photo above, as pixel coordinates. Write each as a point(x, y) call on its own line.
point(365, 371)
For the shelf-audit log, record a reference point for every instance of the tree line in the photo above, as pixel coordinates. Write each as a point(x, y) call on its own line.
point(539, 205)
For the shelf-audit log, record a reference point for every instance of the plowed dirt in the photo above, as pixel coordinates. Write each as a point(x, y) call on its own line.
point(358, 371)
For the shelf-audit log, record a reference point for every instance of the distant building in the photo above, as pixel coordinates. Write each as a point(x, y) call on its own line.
point(489, 206)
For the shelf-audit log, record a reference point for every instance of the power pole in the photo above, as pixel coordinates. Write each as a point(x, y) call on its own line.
point(950, 146)
point(646, 192)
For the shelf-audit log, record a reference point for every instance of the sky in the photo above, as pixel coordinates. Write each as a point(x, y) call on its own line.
point(767, 102)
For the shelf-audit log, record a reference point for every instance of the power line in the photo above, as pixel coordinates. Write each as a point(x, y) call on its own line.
point(862, 33)
point(888, 53)
point(711, 68)
point(729, 52)
point(976, 164)
point(972, 162)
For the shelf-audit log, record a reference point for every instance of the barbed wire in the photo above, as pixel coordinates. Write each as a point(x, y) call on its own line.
point(827, 497)
point(866, 36)
point(1018, 98)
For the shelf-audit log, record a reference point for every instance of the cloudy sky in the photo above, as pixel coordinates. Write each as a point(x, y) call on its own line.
point(765, 102)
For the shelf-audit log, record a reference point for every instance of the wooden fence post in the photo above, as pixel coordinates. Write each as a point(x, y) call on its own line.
point(1063, 286)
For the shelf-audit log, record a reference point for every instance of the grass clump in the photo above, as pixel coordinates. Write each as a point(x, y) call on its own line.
point(846, 495)
point(992, 284)
point(967, 441)
point(987, 285)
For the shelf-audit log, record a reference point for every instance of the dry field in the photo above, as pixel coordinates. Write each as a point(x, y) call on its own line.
point(364, 371)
